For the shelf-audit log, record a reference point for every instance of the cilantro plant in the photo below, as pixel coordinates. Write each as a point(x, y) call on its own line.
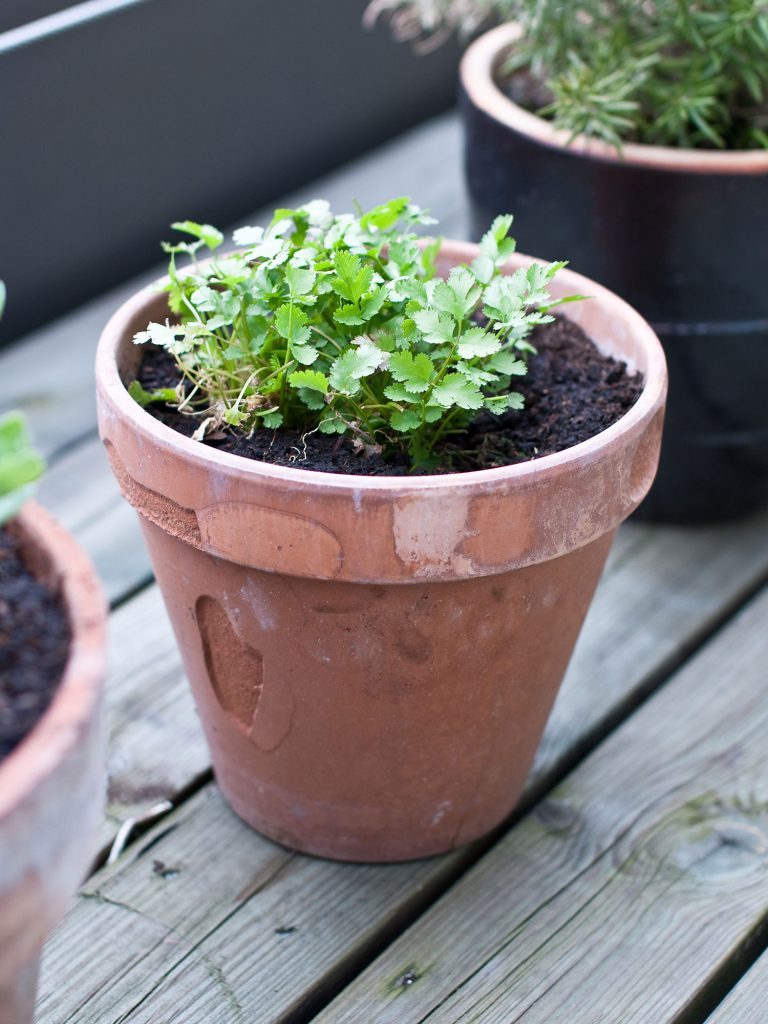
point(690, 73)
point(339, 324)
point(20, 464)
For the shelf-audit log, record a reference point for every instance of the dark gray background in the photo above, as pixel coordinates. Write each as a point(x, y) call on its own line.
point(160, 110)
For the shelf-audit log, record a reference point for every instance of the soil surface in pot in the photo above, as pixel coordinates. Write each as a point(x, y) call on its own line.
point(34, 644)
point(524, 89)
point(571, 392)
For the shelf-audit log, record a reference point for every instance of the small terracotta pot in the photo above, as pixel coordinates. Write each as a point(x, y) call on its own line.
point(682, 234)
point(374, 658)
point(52, 784)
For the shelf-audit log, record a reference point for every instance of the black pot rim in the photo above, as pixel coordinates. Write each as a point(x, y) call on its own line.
point(477, 74)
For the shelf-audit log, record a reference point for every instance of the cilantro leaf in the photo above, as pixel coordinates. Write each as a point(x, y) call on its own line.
point(312, 379)
point(206, 233)
point(291, 324)
point(415, 372)
point(454, 389)
point(352, 279)
point(347, 370)
point(437, 328)
point(404, 420)
point(477, 342)
point(386, 215)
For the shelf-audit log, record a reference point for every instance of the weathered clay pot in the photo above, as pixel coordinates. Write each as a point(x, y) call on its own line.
point(680, 234)
point(374, 658)
point(52, 784)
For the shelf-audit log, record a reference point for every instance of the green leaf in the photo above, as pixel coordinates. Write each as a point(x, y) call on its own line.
point(204, 298)
point(348, 368)
point(312, 379)
point(500, 403)
point(331, 424)
point(311, 399)
point(500, 228)
point(272, 420)
point(477, 342)
point(217, 322)
point(437, 328)
point(507, 362)
point(483, 267)
point(300, 281)
point(405, 420)
point(495, 247)
point(457, 390)
point(372, 303)
point(415, 372)
point(458, 295)
point(234, 417)
point(145, 398)
point(207, 233)
point(504, 296)
point(386, 215)
point(291, 324)
point(476, 375)
point(349, 315)
point(397, 393)
point(20, 464)
point(353, 280)
point(305, 354)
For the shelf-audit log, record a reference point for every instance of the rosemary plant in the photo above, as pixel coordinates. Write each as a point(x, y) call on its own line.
point(688, 73)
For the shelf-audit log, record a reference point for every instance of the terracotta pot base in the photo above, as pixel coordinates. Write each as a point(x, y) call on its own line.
point(344, 719)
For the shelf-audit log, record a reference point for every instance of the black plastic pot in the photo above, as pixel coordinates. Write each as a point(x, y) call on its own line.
point(680, 234)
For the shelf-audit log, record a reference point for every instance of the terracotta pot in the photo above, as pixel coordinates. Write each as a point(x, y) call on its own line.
point(374, 658)
point(682, 235)
point(52, 783)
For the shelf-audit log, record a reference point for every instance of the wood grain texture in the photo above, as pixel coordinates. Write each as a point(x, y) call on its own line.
point(748, 1002)
point(662, 591)
point(626, 889)
point(155, 747)
point(81, 492)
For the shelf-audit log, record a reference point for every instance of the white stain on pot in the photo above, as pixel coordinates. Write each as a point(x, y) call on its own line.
point(259, 603)
point(428, 535)
point(441, 811)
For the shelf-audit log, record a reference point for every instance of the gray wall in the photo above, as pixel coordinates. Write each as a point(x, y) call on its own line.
point(164, 109)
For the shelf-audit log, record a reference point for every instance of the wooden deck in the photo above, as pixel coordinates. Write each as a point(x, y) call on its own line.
point(632, 886)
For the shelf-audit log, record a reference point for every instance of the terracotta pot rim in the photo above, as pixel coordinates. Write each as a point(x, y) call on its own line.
point(61, 727)
point(477, 74)
point(130, 313)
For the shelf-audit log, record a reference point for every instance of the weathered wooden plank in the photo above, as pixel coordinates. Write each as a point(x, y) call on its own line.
point(658, 599)
point(81, 492)
point(748, 1002)
point(154, 909)
point(627, 890)
point(49, 373)
point(155, 747)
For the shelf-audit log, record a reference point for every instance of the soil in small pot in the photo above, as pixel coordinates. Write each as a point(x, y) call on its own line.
point(572, 392)
point(524, 89)
point(34, 645)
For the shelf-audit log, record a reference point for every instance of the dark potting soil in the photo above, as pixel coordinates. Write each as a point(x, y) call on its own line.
point(525, 89)
point(34, 644)
point(571, 392)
